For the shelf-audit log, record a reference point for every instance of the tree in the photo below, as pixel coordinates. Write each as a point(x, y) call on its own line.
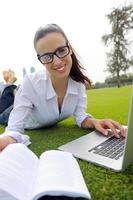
point(124, 78)
point(119, 58)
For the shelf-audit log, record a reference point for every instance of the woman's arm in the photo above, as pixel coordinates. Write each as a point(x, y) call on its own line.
point(4, 141)
point(87, 121)
point(18, 116)
point(102, 125)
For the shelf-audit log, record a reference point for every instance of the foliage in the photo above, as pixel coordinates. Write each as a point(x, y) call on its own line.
point(111, 81)
point(124, 78)
point(119, 59)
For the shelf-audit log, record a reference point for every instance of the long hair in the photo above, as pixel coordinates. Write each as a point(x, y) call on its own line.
point(76, 72)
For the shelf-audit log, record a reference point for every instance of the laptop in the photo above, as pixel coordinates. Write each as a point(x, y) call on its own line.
point(109, 152)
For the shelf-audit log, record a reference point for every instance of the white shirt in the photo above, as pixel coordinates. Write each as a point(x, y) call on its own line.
point(36, 105)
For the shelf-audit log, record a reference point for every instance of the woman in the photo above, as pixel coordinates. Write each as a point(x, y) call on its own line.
point(7, 95)
point(53, 94)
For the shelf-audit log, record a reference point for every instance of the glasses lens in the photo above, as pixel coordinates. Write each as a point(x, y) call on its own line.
point(62, 52)
point(47, 58)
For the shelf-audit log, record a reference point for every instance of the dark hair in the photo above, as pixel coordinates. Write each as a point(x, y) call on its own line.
point(61, 198)
point(76, 70)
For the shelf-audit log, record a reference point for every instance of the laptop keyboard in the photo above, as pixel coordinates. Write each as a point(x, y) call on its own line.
point(112, 148)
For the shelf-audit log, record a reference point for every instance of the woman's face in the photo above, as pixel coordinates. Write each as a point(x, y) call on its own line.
point(59, 67)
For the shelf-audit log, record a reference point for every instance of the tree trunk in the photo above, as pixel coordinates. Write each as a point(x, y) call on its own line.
point(118, 79)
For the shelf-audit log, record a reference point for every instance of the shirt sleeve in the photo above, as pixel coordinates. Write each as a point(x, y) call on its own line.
point(20, 113)
point(17, 136)
point(80, 111)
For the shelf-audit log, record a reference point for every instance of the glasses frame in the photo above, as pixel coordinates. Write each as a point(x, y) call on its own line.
point(53, 53)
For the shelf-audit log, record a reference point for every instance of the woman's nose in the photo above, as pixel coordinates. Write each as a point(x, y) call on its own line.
point(56, 60)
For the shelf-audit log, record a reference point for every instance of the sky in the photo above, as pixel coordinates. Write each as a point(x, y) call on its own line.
point(84, 22)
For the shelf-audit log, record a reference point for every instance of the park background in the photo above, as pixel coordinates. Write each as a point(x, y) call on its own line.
point(84, 22)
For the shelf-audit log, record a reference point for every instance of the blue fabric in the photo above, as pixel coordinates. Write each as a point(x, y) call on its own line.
point(7, 98)
point(6, 103)
point(4, 116)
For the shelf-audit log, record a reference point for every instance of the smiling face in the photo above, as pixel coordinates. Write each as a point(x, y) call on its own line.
point(60, 67)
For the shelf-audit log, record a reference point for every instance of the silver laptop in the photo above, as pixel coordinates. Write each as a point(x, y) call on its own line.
point(108, 152)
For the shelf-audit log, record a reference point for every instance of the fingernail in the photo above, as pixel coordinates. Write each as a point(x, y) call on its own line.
point(117, 136)
point(106, 133)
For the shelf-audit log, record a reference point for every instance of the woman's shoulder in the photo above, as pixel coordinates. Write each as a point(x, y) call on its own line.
point(34, 80)
point(36, 76)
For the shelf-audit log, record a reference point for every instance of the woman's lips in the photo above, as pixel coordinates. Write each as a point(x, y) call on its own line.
point(61, 69)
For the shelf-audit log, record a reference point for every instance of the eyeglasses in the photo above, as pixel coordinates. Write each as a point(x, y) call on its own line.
point(60, 52)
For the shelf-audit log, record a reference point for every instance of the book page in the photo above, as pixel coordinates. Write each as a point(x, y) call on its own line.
point(59, 174)
point(18, 166)
point(6, 196)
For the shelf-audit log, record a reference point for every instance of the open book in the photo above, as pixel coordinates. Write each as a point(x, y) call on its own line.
point(25, 177)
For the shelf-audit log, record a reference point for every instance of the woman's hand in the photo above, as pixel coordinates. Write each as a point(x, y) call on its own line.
point(6, 140)
point(102, 125)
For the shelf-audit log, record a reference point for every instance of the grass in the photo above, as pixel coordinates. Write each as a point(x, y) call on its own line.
point(103, 184)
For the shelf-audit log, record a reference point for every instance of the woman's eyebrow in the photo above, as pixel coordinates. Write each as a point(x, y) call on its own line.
point(54, 50)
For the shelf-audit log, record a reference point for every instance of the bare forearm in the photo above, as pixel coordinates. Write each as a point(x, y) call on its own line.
point(88, 123)
point(6, 140)
point(102, 125)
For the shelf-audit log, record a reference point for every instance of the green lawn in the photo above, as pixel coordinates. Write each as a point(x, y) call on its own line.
point(102, 103)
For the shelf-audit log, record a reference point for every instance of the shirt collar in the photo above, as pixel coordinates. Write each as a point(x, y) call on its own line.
point(50, 90)
point(71, 89)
